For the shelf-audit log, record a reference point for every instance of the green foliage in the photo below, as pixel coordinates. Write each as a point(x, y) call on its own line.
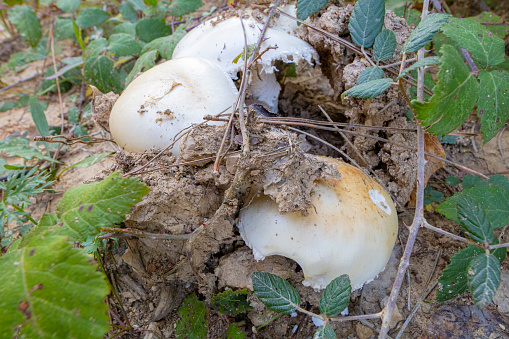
point(50, 290)
point(193, 322)
point(452, 180)
point(430, 196)
point(232, 302)
point(421, 63)
point(369, 74)
point(68, 6)
point(234, 332)
point(123, 44)
point(99, 71)
point(91, 16)
point(493, 103)
point(63, 29)
point(424, 32)
point(88, 161)
point(370, 89)
point(325, 332)
point(483, 278)
point(149, 29)
point(94, 48)
point(384, 46)
point(275, 292)
point(366, 21)
point(27, 23)
point(128, 12)
point(19, 147)
point(144, 62)
point(38, 116)
point(473, 220)
point(182, 7)
point(412, 16)
point(165, 45)
point(306, 8)
point(499, 30)
point(454, 97)
point(336, 296)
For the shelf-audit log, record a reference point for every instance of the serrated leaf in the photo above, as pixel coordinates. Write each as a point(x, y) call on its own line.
point(232, 302)
point(421, 63)
point(85, 209)
point(149, 29)
point(483, 278)
point(91, 16)
point(275, 292)
point(500, 30)
point(128, 12)
point(366, 21)
point(369, 74)
point(68, 6)
point(38, 116)
point(63, 29)
point(336, 296)
point(412, 16)
point(370, 89)
point(452, 180)
point(26, 22)
point(165, 45)
point(470, 181)
point(145, 62)
point(493, 102)
point(50, 290)
point(500, 181)
point(126, 27)
point(424, 32)
point(94, 48)
point(454, 97)
point(306, 8)
point(325, 332)
point(183, 7)
point(384, 46)
point(453, 281)
point(234, 332)
point(19, 147)
point(99, 71)
point(193, 323)
point(123, 44)
point(473, 220)
point(486, 48)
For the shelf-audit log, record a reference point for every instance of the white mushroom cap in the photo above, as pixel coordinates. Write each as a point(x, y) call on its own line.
point(351, 230)
point(168, 98)
point(222, 42)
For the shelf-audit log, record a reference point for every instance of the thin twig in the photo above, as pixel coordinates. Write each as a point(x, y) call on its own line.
point(240, 108)
point(20, 82)
point(441, 231)
point(500, 145)
point(492, 247)
point(358, 317)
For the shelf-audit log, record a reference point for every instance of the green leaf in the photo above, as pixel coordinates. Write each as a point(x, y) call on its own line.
point(453, 281)
point(38, 116)
point(424, 32)
point(27, 23)
point(275, 292)
point(486, 48)
point(88, 161)
point(366, 21)
point(126, 27)
point(144, 62)
point(19, 147)
point(123, 44)
point(232, 302)
point(183, 7)
point(325, 332)
point(370, 89)
point(306, 8)
point(50, 290)
point(63, 29)
point(385, 45)
point(149, 29)
point(483, 278)
point(493, 102)
point(336, 296)
point(234, 332)
point(165, 45)
point(151, 2)
point(7, 105)
point(500, 181)
point(91, 16)
point(139, 5)
point(85, 209)
point(412, 16)
point(99, 71)
point(94, 48)
point(421, 63)
point(369, 74)
point(68, 6)
point(430, 195)
point(500, 30)
point(470, 181)
point(128, 12)
point(452, 180)
point(454, 97)
point(193, 323)
point(473, 220)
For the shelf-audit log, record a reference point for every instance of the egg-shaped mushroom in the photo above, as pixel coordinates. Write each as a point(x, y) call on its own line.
point(350, 229)
point(167, 98)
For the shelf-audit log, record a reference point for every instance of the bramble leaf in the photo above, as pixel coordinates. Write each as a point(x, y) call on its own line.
point(149, 29)
point(233, 332)
point(493, 102)
point(99, 71)
point(145, 62)
point(336, 296)
point(63, 29)
point(412, 16)
point(193, 323)
point(232, 302)
point(165, 45)
point(275, 292)
point(486, 48)
point(454, 97)
point(94, 48)
point(123, 44)
point(183, 7)
point(85, 209)
point(325, 332)
point(369, 74)
point(500, 30)
point(483, 278)
point(385, 45)
point(424, 32)
point(366, 21)
point(370, 89)
point(306, 8)
point(421, 63)
point(128, 12)
point(473, 220)
point(91, 16)
point(50, 290)
point(68, 6)
point(26, 22)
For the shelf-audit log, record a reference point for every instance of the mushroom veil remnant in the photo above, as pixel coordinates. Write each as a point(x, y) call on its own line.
point(169, 97)
point(222, 42)
point(351, 229)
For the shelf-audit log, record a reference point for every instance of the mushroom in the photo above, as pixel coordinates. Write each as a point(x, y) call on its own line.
point(222, 42)
point(351, 229)
point(168, 98)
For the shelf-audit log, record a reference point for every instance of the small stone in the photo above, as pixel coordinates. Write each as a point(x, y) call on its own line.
point(363, 332)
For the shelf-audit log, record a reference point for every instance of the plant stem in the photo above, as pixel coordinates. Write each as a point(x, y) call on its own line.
point(358, 317)
point(419, 205)
point(441, 231)
point(492, 247)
